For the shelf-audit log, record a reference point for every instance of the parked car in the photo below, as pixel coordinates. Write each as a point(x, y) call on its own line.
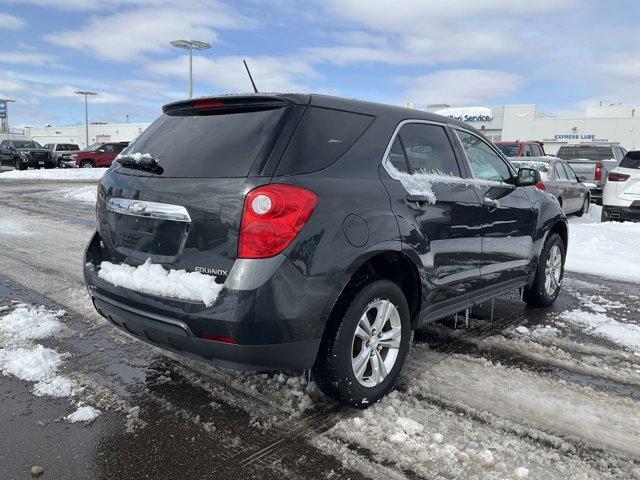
point(22, 154)
point(99, 154)
point(529, 148)
point(621, 199)
point(62, 153)
point(332, 227)
point(559, 179)
point(593, 162)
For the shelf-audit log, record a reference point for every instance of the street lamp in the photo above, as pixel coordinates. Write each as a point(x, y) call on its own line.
point(86, 112)
point(4, 114)
point(190, 45)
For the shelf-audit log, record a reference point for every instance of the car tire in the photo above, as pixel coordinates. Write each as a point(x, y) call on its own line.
point(18, 165)
point(585, 207)
point(349, 346)
point(86, 164)
point(546, 285)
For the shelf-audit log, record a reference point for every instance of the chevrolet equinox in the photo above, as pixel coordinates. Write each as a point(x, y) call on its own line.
point(324, 231)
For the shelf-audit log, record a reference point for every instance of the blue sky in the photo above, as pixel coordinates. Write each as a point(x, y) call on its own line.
point(561, 55)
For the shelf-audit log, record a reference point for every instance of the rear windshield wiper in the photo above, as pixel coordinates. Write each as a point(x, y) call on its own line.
point(140, 160)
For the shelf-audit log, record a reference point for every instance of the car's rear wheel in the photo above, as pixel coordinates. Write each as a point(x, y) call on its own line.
point(86, 164)
point(546, 284)
point(363, 352)
point(585, 207)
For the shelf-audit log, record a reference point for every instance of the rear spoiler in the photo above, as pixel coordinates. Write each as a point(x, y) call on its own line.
point(225, 105)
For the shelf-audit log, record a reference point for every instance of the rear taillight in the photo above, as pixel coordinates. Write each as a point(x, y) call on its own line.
point(598, 173)
point(540, 186)
point(273, 216)
point(618, 177)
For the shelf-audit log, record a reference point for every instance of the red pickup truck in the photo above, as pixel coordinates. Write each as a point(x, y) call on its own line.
point(517, 148)
point(99, 155)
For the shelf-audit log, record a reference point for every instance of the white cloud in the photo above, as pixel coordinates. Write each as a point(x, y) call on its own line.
point(68, 91)
point(460, 87)
point(29, 58)
point(10, 22)
point(132, 34)
point(271, 74)
point(9, 84)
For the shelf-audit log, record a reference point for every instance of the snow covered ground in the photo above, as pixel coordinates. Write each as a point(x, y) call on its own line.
point(608, 249)
point(55, 174)
point(86, 194)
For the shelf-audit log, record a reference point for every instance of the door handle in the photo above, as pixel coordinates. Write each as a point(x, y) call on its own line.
point(419, 199)
point(491, 204)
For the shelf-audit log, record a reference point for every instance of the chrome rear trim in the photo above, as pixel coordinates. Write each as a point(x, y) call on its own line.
point(140, 208)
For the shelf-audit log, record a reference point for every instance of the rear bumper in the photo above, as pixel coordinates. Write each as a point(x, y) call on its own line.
point(623, 214)
point(276, 322)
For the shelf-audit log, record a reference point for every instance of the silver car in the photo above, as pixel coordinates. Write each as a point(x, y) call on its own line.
point(558, 178)
point(62, 153)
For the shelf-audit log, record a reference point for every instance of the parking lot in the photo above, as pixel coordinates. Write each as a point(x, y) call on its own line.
point(513, 393)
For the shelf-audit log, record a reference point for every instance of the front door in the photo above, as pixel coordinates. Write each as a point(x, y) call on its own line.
point(508, 218)
point(438, 214)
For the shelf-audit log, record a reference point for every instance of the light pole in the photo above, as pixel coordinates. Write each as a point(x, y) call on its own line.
point(86, 113)
point(4, 114)
point(190, 45)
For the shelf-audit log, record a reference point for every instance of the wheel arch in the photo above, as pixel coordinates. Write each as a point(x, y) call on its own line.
point(392, 265)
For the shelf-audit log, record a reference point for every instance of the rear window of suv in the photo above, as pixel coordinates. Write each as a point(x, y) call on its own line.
point(631, 160)
point(591, 153)
point(221, 145)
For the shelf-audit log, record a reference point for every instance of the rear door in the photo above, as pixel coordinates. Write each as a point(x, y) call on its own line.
point(565, 194)
point(439, 214)
point(508, 218)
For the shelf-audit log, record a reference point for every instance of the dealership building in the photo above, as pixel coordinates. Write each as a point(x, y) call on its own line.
point(613, 124)
point(98, 133)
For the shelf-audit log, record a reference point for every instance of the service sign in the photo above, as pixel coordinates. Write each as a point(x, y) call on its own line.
point(467, 114)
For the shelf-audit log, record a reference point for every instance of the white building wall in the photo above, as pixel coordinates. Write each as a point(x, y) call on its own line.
point(112, 132)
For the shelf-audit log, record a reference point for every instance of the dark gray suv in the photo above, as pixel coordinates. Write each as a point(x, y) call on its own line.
point(308, 231)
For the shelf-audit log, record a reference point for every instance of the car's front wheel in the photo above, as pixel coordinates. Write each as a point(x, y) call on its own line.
point(546, 284)
point(363, 352)
point(86, 164)
point(18, 165)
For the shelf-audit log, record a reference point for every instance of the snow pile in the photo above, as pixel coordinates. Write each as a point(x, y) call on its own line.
point(85, 413)
point(625, 334)
point(607, 249)
point(33, 362)
point(80, 194)
point(56, 174)
point(154, 279)
point(136, 157)
point(26, 323)
point(538, 332)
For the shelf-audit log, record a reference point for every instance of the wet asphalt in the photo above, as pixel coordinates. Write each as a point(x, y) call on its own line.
point(169, 418)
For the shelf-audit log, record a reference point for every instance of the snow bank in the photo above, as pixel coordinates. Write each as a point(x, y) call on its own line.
point(55, 174)
point(84, 413)
point(625, 334)
point(154, 279)
point(607, 249)
point(57, 387)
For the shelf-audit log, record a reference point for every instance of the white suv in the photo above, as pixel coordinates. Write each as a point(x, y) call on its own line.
point(621, 196)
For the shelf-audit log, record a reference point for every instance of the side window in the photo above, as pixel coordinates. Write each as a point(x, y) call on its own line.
point(535, 149)
point(118, 148)
point(528, 151)
point(571, 175)
point(484, 162)
point(428, 149)
point(561, 173)
point(396, 156)
point(108, 148)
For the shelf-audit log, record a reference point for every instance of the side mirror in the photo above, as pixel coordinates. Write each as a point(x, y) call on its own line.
point(527, 177)
point(582, 179)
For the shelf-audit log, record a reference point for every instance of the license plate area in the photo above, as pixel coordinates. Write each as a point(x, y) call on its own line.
point(148, 235)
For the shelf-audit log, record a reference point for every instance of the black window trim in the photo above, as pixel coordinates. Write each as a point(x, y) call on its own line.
point(462, 167)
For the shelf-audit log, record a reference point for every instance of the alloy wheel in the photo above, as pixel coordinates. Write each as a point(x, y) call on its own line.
point(376, 343)
point(553, 270)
